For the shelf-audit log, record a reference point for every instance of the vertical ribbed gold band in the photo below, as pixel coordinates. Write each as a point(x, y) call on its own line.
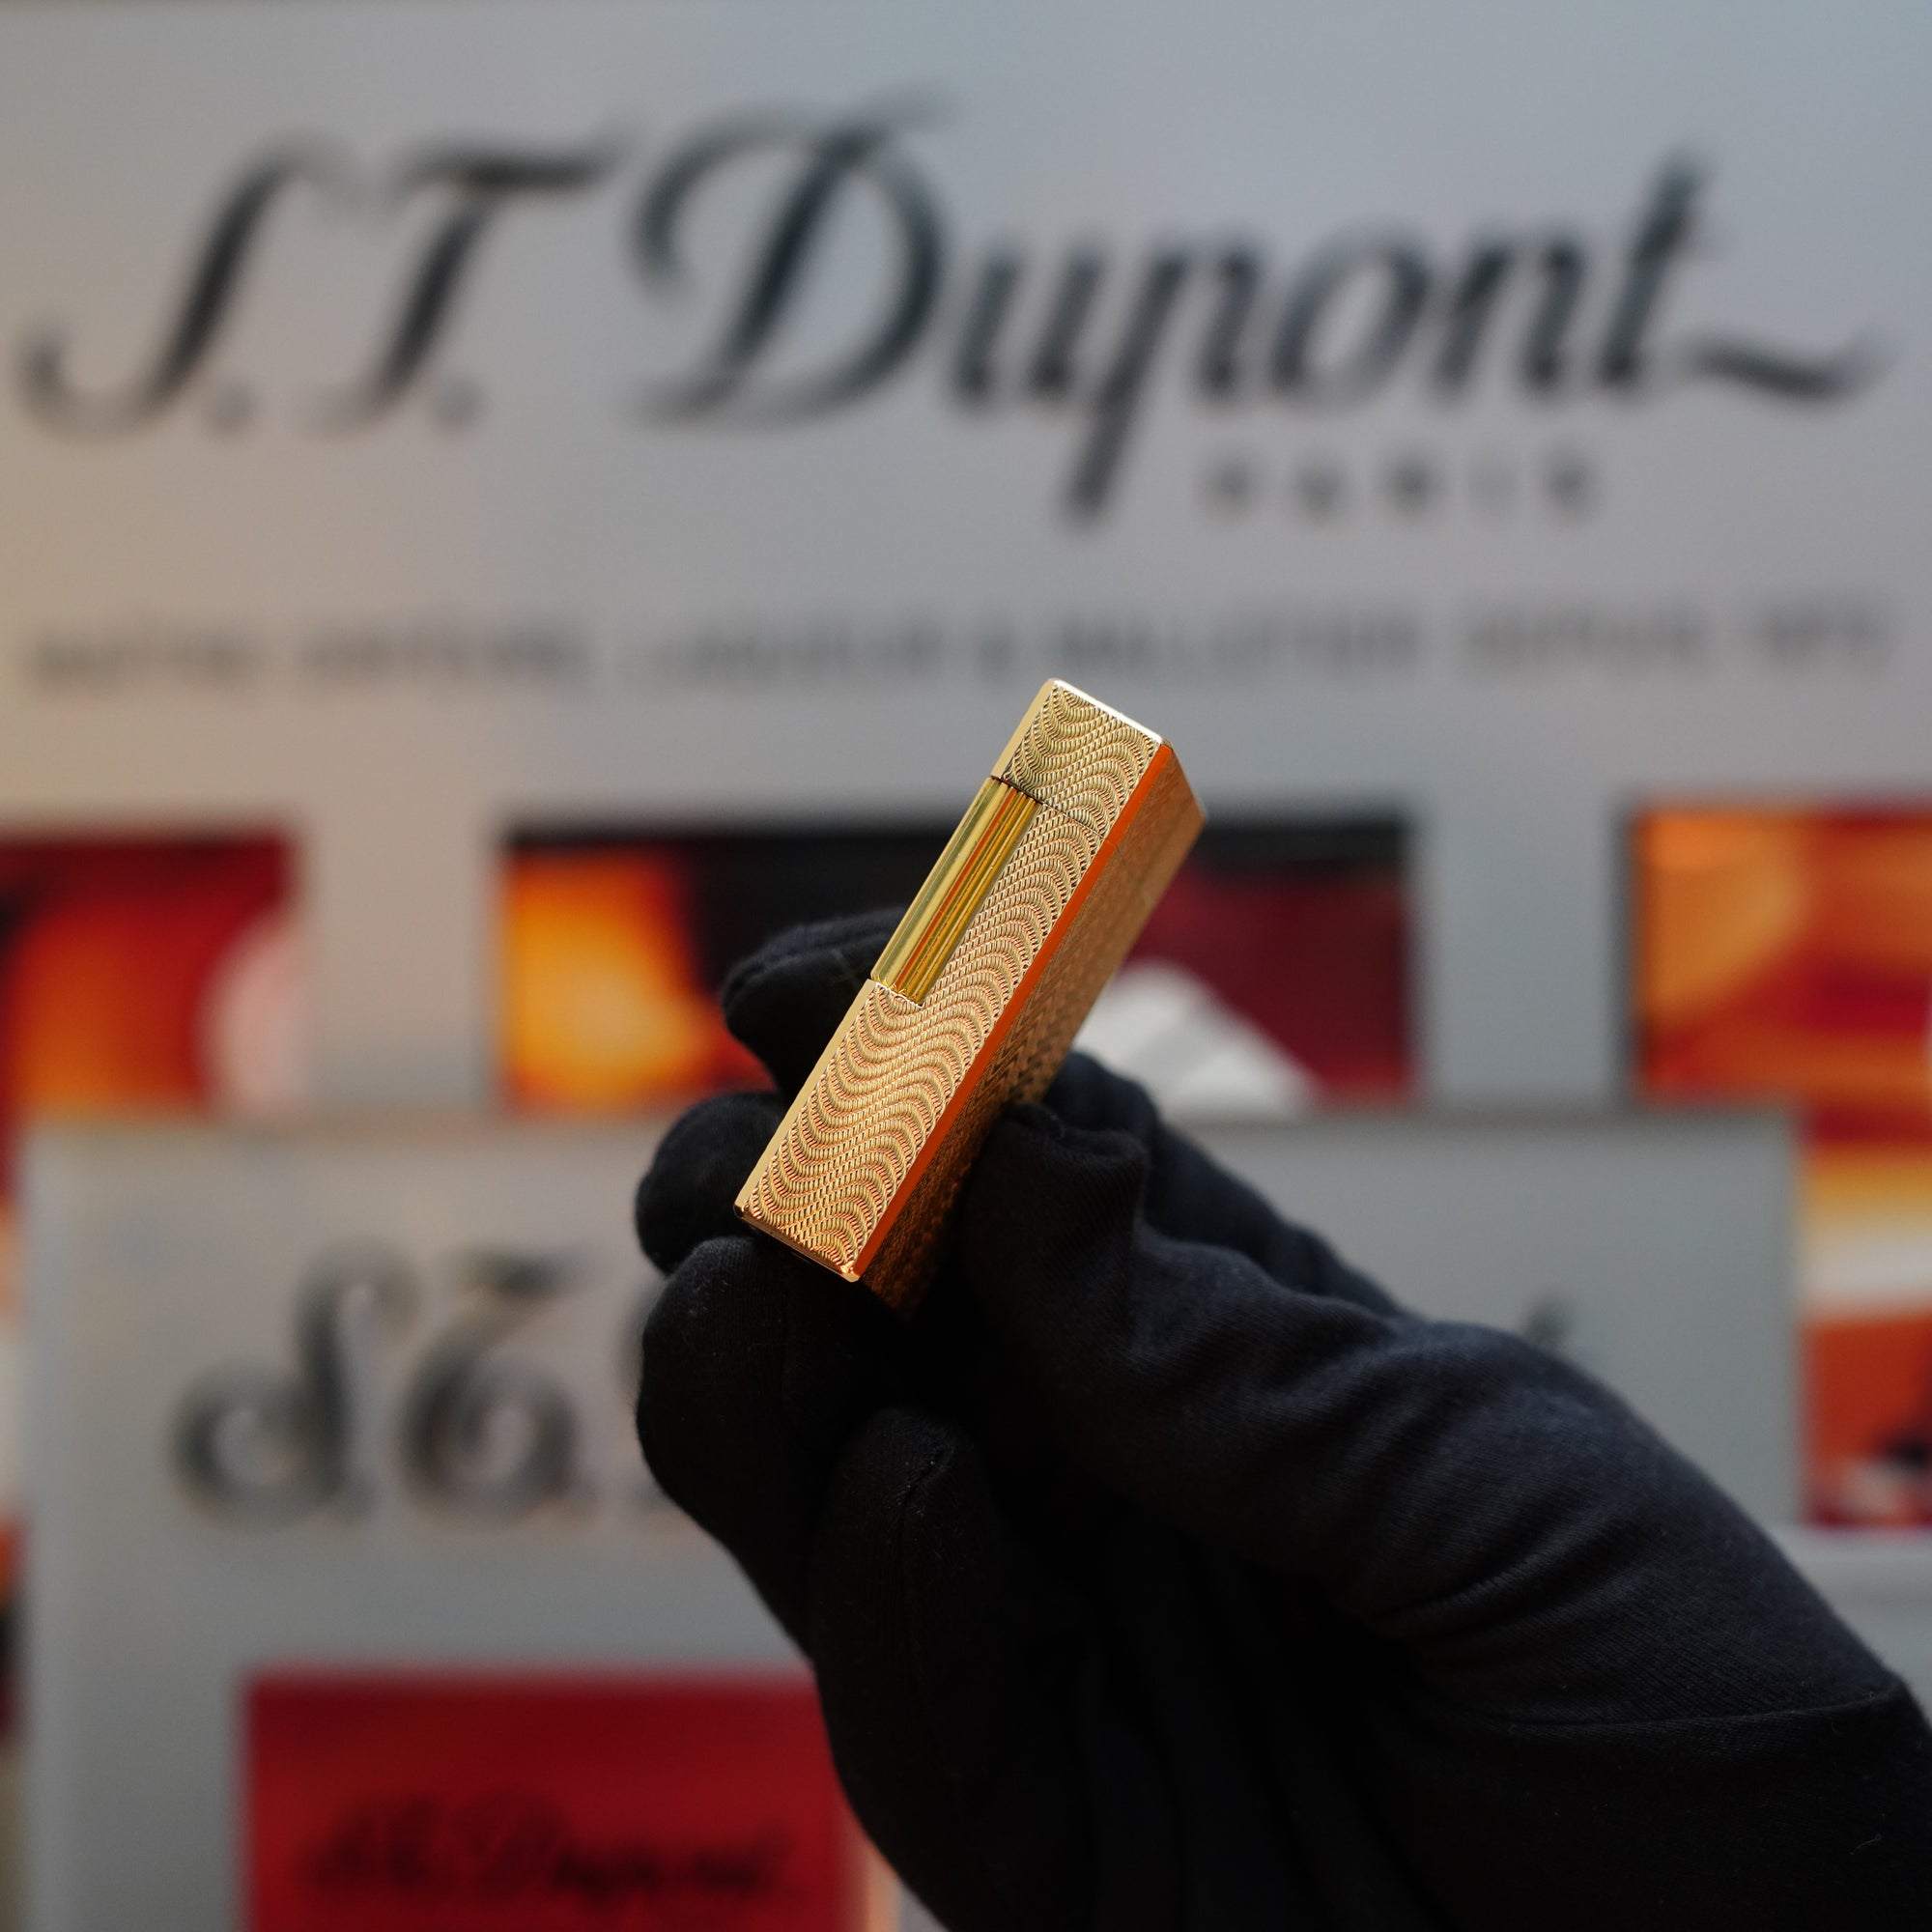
point(955, 889)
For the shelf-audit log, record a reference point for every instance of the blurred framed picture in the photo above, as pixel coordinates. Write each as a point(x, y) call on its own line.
point(1274, 975)
point(1784, 953)
point(1867, 1246)
point(145, 971)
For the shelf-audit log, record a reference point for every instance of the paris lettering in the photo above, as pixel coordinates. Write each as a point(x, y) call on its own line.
point(741, 235)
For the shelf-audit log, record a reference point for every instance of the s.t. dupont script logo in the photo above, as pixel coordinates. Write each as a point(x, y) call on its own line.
point(747, 228)
point(448, 1399)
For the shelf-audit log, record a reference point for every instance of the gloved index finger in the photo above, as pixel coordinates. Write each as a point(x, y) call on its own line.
point(785, 1001)
point(1453, 1489)
point(1173, 1371)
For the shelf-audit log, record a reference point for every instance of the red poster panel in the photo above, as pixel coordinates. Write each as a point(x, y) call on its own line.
point(439, 1803)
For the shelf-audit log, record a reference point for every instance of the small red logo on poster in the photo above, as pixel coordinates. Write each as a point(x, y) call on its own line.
point(390, 1803)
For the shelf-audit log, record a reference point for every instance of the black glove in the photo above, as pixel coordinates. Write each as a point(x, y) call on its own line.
point(1162, 1572)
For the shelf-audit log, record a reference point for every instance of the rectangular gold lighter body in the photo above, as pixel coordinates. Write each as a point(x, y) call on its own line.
point(973, 1004)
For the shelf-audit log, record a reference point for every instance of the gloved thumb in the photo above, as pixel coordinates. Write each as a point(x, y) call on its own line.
point(1179, 1372)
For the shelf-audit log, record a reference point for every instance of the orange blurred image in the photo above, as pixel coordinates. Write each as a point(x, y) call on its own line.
point(605, 1005)
point(144, 974)
point(1786, 954)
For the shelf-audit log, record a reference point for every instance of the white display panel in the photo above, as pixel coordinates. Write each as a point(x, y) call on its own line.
point(1518, 414)
point(1520, 417)
point(360, 1397)
point(1655, 1251)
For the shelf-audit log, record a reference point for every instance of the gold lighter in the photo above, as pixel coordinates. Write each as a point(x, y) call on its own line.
point(971, 1005)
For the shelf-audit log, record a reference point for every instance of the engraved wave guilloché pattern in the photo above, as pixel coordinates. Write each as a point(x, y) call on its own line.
point(852, 1137)
point(1155, 841)
point(1081, 757)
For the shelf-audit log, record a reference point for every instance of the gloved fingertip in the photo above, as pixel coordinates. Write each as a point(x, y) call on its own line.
point(686, 1195)
point(853, 940)
point(786, 999)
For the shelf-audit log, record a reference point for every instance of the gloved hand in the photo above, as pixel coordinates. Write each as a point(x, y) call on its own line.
point(1163, 1573)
